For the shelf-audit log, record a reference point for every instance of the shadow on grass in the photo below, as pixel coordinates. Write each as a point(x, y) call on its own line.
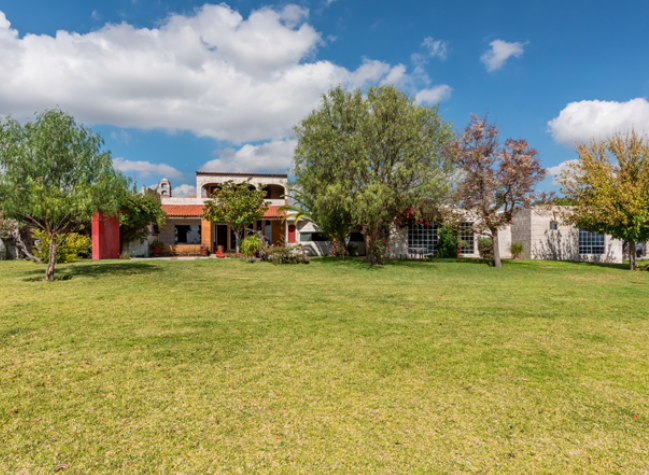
point(70, 271)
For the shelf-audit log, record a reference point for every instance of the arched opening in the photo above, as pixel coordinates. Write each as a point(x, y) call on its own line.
point(274, 192)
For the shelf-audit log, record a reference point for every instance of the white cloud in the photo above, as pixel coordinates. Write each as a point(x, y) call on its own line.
point(555, 171)
point(121, 137)
point(275, 156)
point(585, 120)
point(436, 48)
point(500, 52)
point(183, 191)
point(145, 169)
point(211, 72)
point(95, 15)
point(433, 95)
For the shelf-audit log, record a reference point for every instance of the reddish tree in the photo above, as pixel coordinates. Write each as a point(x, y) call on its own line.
point(495, 181)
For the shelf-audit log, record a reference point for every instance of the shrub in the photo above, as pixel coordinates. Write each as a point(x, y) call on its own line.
point(486, 248)
point(447, 243)
point(516, 249)
point(250, 245)
point(290, 254)
point(74, 245)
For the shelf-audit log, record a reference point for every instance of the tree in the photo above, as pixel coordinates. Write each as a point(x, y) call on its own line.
point(334, 220)
point(136, 213)
point(495, 181)
point(610, 186)
point(239, 205)
point(372, 157)
point(55, 176)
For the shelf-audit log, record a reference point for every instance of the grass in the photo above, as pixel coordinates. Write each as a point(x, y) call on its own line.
point(212, 366)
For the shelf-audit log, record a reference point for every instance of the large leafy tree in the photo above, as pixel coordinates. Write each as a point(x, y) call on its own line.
point(495, 181)
point(136, 213)
point(372, 157)
point(610, 186)
point(237, 204)
point(55, 175)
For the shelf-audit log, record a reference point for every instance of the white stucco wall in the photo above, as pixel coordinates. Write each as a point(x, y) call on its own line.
point(532, 229)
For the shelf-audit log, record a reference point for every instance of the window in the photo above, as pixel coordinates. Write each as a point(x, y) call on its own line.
point(422, 239)
point(466, 235)
point(356, 237)
point(187, 234)
point(590, 243)
point(316, 237)
point(553, 226)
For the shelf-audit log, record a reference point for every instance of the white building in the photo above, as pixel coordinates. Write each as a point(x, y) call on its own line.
point(539, 230)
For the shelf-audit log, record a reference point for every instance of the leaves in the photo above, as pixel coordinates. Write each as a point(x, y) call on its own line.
point(236, 204)
point(366, 159)
point(495, 181)
point(610, 184)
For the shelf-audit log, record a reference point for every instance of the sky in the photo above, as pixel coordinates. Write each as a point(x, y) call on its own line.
point(179, 86)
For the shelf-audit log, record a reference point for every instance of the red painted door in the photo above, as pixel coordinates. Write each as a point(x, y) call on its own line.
point(291, 233)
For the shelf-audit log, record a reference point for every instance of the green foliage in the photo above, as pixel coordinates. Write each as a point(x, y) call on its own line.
point(157, 243)
point(251, 244)
point(55, 175)
point(136, 213)
point(447, 243)
point(71, 247)
point(365, 159)
point(486, 248)
point(516, 249)
point(330, 216)
point(289, 254)
point(236, 204)
point(610, 184)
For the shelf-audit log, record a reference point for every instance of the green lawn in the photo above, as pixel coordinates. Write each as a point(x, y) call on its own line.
point(212, 366)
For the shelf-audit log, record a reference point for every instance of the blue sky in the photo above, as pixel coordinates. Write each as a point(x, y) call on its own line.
point(175, 87)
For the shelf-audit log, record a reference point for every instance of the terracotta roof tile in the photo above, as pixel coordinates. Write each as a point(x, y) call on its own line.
point(196, 211)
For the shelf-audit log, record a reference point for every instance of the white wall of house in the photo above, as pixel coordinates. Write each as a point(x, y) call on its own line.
point(532, 228)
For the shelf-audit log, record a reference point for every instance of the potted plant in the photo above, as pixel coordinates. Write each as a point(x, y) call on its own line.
point(205, 251)
point(461, 245)
point(156, 247)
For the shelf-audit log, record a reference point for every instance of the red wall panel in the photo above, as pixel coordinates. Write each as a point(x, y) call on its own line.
point(105, 237)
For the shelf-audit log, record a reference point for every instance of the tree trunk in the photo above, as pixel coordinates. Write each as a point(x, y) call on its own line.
point(374, 247)
point(49, 273)
point(237, 239)
point(23, 247)
point(494, 238)
point(632, 255)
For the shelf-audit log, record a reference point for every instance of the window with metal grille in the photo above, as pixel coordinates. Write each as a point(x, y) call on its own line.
point(466, 235)
point(422, 238)
point(553, 226)
point(591, 243)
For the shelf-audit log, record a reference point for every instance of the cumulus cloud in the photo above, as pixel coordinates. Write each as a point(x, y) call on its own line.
point(433, 95)
point(145, 169)
point(554, 172)
point(275, 156)
point(585, 120)
point(500, 52)
point(183, 191)
point(211, 72)
point(436, 48)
